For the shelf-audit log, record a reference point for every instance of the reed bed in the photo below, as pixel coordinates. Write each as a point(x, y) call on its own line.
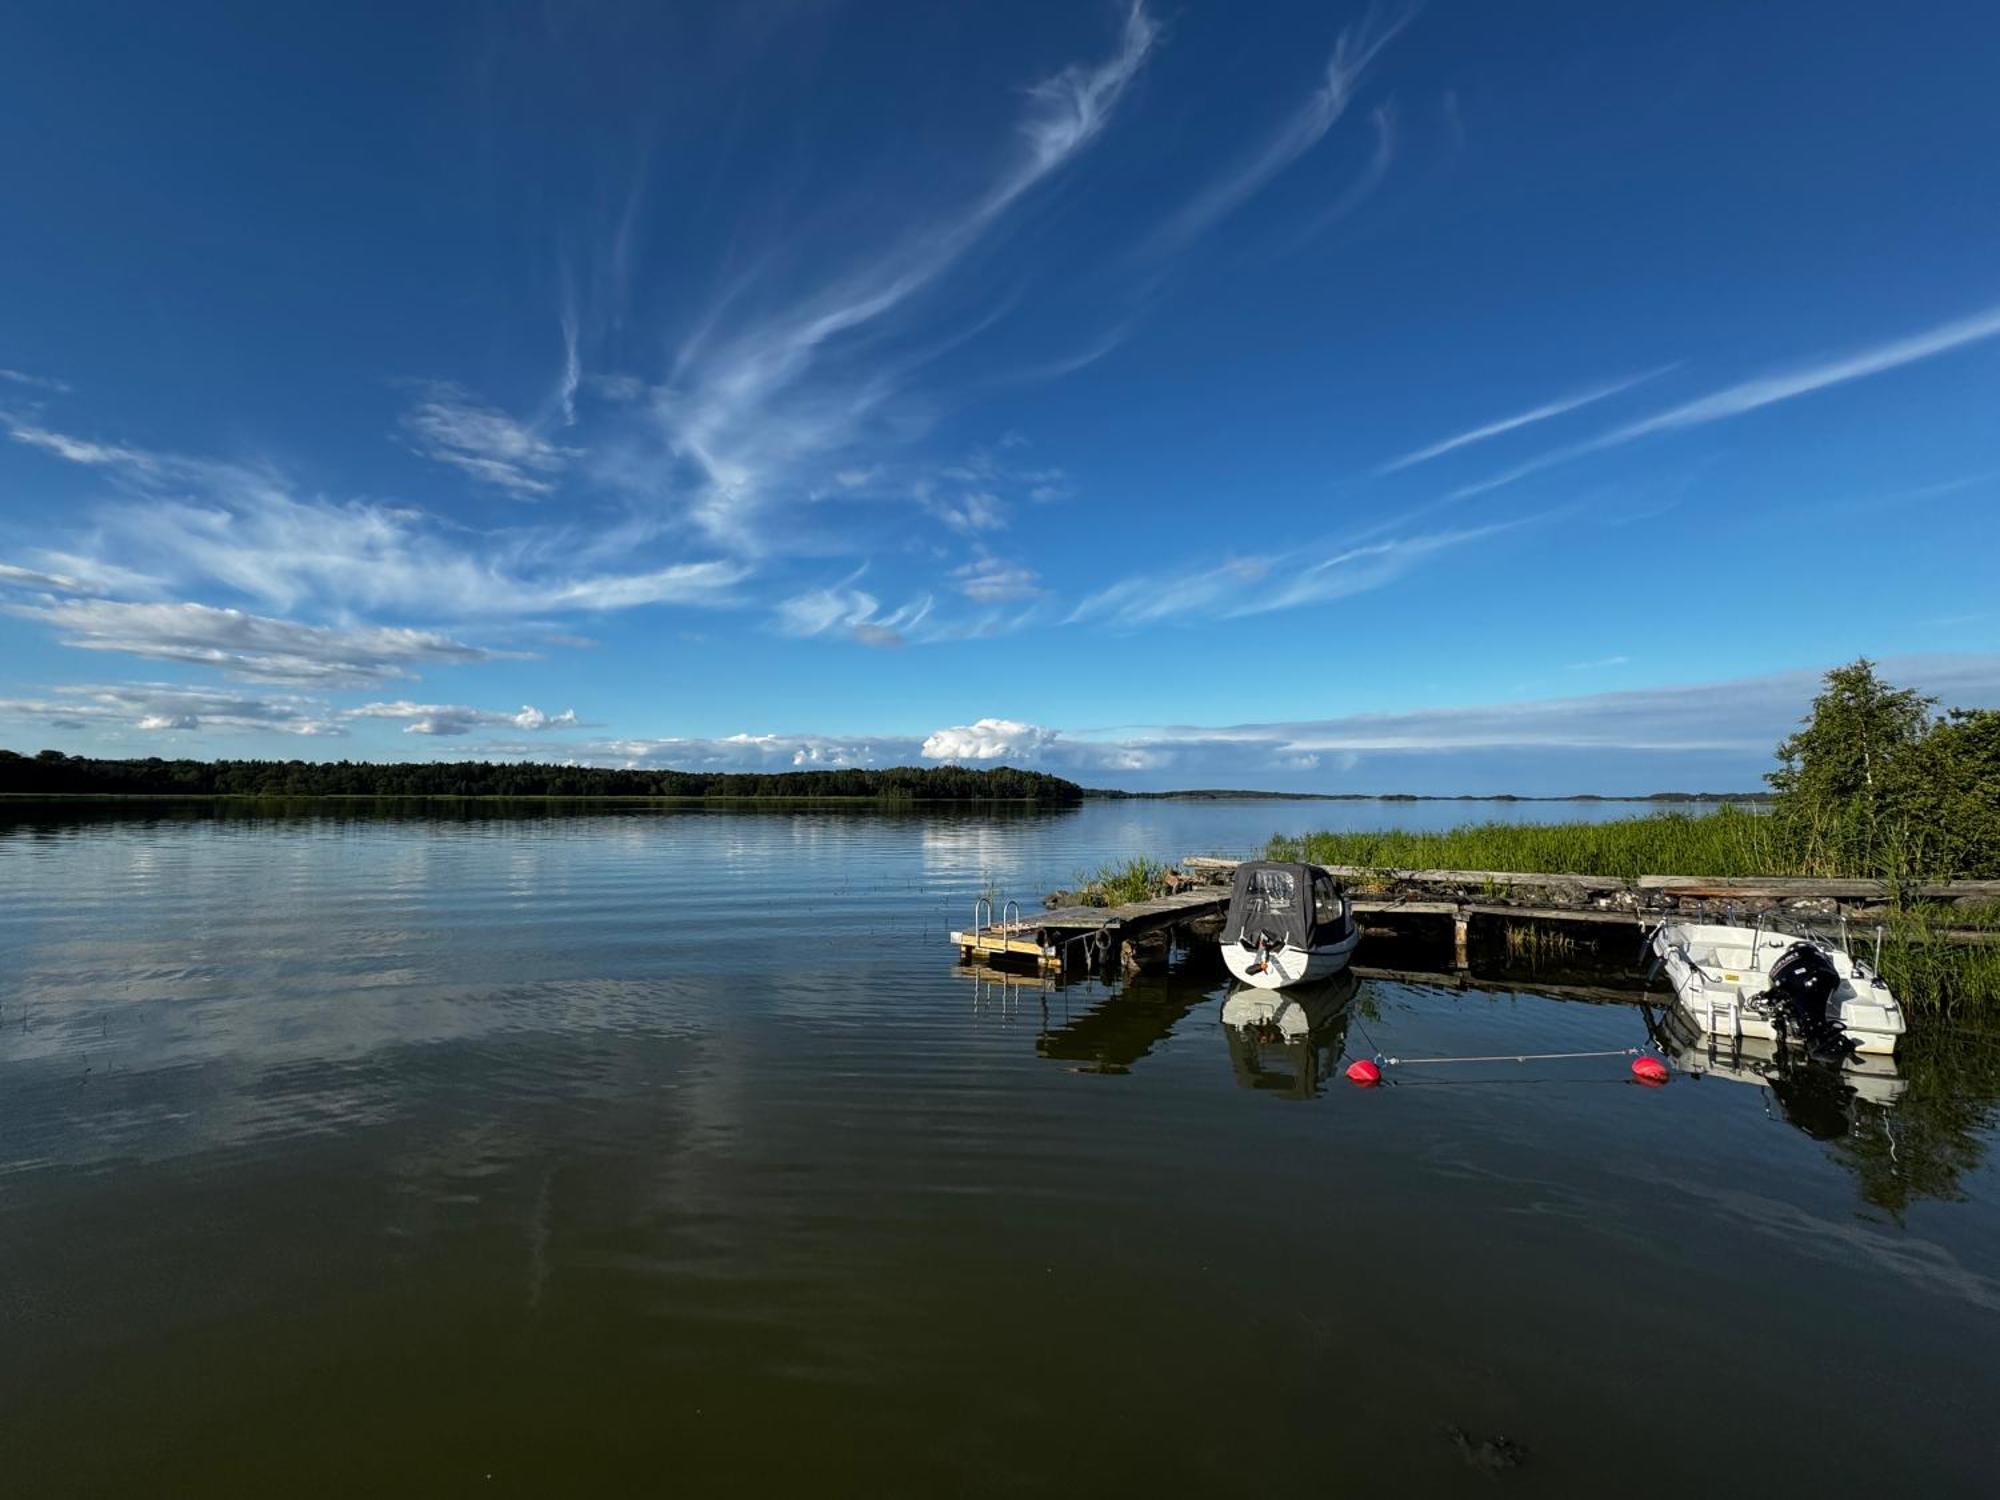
point(1951, 977)
point(1729, 841)
point(1127, 881)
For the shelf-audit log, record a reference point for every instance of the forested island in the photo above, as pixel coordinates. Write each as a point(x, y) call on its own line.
point(53, 774)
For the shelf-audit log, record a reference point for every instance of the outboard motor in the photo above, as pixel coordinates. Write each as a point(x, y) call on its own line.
point(1803, 984)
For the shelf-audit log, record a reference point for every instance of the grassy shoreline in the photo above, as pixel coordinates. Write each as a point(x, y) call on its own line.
point(1726, 842)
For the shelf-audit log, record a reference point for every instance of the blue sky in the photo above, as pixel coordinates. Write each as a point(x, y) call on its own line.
point(1430, 398)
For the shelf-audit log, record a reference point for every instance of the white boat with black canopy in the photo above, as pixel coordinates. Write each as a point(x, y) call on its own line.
point(1769, 984)
point(1288, 923)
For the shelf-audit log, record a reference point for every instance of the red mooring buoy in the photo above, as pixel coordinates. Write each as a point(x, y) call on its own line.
point(1649, 1070)
point(1363, 1072)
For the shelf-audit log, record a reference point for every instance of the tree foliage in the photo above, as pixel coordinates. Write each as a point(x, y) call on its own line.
point(55, 774)
point(1875, 783)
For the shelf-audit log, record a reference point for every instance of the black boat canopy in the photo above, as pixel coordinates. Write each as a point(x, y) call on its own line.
point(1284, 903)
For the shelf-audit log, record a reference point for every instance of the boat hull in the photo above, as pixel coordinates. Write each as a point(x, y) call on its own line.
point(1282, 968)
point(1720, 976)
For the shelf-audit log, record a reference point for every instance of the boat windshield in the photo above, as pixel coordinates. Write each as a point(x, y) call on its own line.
point(1326, 900)
point(1269, 891)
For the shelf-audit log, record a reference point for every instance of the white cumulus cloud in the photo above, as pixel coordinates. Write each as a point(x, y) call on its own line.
point(987, 739)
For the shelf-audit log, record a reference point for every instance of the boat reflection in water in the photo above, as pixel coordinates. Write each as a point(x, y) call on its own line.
point(1828, 1100)
point(1289, 1042)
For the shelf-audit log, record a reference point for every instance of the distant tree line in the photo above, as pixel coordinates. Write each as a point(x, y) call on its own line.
point(54, 774)
point(1876, 783)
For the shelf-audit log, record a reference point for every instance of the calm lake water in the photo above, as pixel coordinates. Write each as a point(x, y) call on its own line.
point(672, 1152)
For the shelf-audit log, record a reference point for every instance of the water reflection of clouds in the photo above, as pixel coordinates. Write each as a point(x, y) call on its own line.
point(969, 849)
point(169, 1078)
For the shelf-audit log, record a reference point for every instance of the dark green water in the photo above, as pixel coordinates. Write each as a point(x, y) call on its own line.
point(673, 1153)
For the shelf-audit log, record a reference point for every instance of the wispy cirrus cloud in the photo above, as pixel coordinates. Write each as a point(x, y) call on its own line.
point(1747, 715)
point(35, 382)
point(78, 450)
point(35, 578)
point(1000, 598)
point(288, 551)
point(155, 707)
point(1382, 120)
point(257, 647)
point(980, 492)
point(450, 427)
point(1561, 406)
point(75, 573)
point(193, 522)
point(158, 707)
point(1073, 105)
point(744, 415)
point(1284, 580)
point(1354, 51)
point(988, 580)
point(967, 512)
point(843, 609)
point(457, 718)
point(571, 380)
point(1766, 390)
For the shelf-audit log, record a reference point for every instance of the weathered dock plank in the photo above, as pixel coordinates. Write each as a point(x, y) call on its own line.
point(1046, 935)
point(1134, 916)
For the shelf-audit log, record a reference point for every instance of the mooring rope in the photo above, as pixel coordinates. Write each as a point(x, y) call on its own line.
point(1514, 1056)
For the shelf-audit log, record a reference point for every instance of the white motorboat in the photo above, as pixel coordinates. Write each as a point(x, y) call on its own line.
point(1775, 986)
point(1288, 924)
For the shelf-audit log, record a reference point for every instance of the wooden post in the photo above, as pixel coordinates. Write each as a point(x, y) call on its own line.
point(1459, 923)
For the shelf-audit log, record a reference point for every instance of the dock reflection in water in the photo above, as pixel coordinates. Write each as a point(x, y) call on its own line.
point(1122, 1028)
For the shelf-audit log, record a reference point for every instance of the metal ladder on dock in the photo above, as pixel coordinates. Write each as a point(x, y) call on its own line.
point(1006, 937)
point(982, 917)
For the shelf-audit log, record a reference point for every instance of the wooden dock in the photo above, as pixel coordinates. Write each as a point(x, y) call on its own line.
point(1137, 935)
point(1067, 937)
point(1458, 910)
